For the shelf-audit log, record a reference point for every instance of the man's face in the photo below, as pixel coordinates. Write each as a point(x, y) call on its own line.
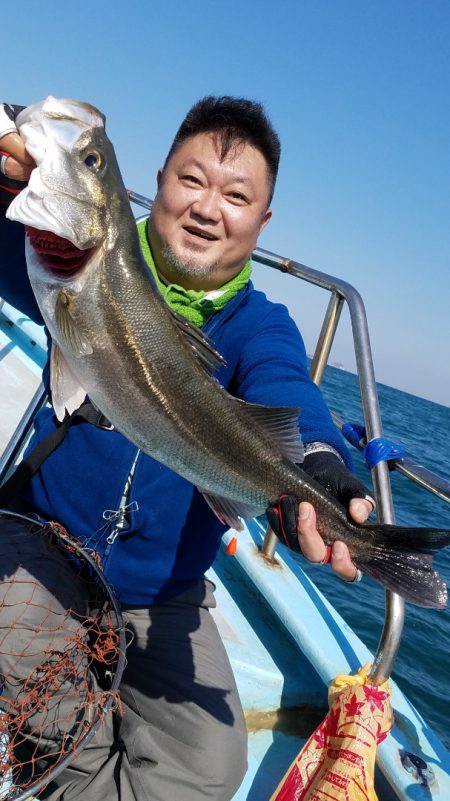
point(208, 212)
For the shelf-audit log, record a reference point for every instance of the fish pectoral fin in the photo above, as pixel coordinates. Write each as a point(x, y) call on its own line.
point(67, 393)
point(199, 343)
point(229, 511)
point(72, 337)
point(400, 559)
point(280, 423)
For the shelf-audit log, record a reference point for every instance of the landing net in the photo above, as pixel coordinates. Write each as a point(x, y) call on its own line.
point(62, 652)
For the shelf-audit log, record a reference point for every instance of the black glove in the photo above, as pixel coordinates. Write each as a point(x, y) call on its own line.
point(326, 468)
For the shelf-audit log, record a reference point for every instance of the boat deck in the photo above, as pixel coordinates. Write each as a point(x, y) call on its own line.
point(286, 643)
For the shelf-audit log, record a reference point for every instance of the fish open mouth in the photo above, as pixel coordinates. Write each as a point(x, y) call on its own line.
point(56, 254)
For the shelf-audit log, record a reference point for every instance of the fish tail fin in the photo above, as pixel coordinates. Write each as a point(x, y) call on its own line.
point(400, 558)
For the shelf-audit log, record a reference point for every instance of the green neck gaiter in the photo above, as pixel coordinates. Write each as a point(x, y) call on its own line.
point(196, 306)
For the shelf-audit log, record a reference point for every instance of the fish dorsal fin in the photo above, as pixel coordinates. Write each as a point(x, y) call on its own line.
point(71, 336)
point(67, 393)
point(229, 511)
point(199, 342)
point(280, 424)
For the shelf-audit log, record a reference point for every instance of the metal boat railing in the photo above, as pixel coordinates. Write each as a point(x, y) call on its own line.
point(340, 292)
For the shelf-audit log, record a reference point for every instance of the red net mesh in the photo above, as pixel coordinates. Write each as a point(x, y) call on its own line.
point(59, 651)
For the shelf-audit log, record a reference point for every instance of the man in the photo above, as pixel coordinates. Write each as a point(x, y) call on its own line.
point(183, 734)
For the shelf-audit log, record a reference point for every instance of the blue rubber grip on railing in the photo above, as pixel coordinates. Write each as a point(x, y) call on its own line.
point(382, 450)
point(377, 450)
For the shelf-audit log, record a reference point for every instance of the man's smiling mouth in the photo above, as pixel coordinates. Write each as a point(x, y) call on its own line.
point(201, 234)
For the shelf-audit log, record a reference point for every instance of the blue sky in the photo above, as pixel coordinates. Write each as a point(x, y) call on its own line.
point(359, 93)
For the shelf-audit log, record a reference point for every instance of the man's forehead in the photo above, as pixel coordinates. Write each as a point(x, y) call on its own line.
point(241, 158)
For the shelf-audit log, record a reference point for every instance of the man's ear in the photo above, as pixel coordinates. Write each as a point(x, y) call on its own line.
point(265, 219)
point(159, 176)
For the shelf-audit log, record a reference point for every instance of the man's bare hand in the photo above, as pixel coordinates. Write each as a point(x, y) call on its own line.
point(19, 165)
point(313, 546)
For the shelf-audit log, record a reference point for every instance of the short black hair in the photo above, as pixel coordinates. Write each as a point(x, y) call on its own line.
point(233, 119)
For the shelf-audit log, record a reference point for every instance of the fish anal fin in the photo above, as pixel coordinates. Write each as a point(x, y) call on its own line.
point(70, 335)
point(280, 424)
point(200, 344)
point(228, 511)
point(67, 393)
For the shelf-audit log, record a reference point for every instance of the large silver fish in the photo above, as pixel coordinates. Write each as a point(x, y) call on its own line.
point(149, 371)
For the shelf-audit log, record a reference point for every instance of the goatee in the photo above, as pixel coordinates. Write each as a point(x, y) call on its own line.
point(187, 267)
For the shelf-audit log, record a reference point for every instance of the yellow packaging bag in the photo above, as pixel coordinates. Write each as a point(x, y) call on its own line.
point(338, 760)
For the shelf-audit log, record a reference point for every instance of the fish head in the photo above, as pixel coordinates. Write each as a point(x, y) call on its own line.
point(68, 202)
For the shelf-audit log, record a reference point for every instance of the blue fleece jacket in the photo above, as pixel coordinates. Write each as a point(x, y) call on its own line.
point(173, 535)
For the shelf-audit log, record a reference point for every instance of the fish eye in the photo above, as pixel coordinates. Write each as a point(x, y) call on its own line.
point(94, 161)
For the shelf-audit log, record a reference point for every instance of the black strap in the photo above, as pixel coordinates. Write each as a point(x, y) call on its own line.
point(29, 466)
point(12, 110)
point(9, 189)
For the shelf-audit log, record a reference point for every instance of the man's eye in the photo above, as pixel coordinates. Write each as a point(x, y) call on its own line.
point(190, 179)
point(238, 197)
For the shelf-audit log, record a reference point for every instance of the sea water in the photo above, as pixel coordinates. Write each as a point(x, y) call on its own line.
point(423, 428)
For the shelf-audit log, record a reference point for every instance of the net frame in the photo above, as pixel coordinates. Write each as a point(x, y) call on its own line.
point(110, 653)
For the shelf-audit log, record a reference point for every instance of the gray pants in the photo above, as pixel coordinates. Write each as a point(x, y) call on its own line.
point(182, 734)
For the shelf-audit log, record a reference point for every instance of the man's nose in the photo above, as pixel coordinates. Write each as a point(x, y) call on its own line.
point(207, 205)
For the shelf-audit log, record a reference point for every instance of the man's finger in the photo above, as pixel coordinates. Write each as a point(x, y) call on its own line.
point(314, 548)
point(341, 562)
point(311, 543)
point(14, 145)
point(360, 509)
point(14, 169)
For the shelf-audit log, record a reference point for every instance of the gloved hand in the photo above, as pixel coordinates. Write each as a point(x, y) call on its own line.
point(326, 468)
point(15, 163)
